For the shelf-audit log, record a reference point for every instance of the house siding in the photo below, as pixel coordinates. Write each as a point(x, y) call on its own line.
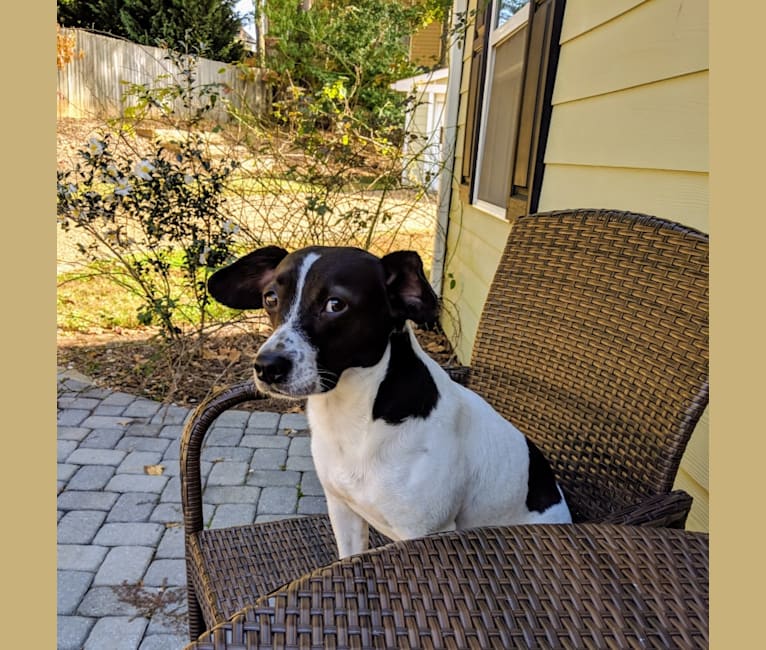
point(628, 131)
point(426, 45)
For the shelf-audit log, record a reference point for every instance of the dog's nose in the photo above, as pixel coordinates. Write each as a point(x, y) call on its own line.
point(272, 367)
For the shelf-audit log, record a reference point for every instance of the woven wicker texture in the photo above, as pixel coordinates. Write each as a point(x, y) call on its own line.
point(583, 586)
point(594, 342)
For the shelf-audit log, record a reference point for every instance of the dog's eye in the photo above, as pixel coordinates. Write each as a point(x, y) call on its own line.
point(270, 299)
point(335, 306)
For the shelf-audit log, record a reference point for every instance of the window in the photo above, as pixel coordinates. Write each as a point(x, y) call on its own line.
point(512, 67)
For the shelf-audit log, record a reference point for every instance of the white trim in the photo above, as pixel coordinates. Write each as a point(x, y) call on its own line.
point(406, 85)
point(491, 209)
point(449, 139)
point(513, 25)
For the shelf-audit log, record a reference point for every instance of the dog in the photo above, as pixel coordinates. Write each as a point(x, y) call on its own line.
point(397, 444)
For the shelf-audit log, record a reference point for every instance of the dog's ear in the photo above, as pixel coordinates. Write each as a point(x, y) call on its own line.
point(409, 292)
point(240, 285)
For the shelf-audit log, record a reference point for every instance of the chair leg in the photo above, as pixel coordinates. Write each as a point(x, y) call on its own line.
point(194, 613)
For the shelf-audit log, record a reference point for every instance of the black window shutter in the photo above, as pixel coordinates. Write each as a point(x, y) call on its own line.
point(534, 117)
point(475, 95)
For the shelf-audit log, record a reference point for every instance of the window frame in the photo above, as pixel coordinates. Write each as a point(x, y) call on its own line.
point(540, 62)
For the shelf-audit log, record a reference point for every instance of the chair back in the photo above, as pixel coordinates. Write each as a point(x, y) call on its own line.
point(594, 342)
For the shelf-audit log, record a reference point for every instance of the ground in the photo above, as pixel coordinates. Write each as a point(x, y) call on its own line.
point(137, 361)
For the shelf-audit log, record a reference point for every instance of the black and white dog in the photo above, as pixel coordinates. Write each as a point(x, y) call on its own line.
point(396, 443)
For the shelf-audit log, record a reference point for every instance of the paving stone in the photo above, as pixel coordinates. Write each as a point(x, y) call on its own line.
point(233, 418)
point(72, 433)
point(170, 415)
point(105, 601)
point(133, 507)
point(102, 439)
point(97, 393)
point(310, 484)
point(167, 513)
point(265, 442)
point(64, 449)
point(79, 557)
point(172, 491)
point(171, 546)
point(79, 526)
point(213, 454)
point(91, 477)
point(273, 478)
point(300, 447)
point(72, 417)
point(312, 506)
point(173, 452)
point(231, 494)
point(71, 632)
point(70, 588)
point(133, 534)
point(118, 399)
point(172, 431)
point(301, 463)
point(168, 571)
point(143, 429)
point(106, 421)
point(64, 471)
point(86, 500)
point(223, 437)
point(116, 633)
point(277, 500)
point(233, 515)
point(171, 619)
point(78, 402)
point(163, 642)
point(142, 408)
point(263, 420)
point(263, 519)
point(296, 421)
point(137, 483)
point(136, 461)
point(228, 473)
point(136, 443)
point(268, 459)
point(97, 457)
point(124, 564)
point(105, 409)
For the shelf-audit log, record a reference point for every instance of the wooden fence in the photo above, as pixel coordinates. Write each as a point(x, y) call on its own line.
point(95, 83)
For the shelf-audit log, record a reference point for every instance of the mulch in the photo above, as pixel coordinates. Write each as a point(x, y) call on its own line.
point(184, 373)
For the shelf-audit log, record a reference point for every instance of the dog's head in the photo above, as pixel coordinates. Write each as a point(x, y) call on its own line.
point(331, 309)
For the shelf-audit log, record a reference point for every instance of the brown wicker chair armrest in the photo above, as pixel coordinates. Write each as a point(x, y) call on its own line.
point(658, 511)
point(193, 435)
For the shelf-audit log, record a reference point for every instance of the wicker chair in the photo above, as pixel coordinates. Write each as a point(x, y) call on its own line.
point(593, 341)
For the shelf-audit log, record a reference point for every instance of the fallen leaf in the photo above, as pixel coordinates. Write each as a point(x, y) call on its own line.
point(153, 470)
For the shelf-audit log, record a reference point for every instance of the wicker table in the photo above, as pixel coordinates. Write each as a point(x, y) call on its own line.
point(579, 586)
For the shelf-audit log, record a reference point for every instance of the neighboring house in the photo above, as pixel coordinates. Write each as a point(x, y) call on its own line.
point(588, 104)
point(423, 125)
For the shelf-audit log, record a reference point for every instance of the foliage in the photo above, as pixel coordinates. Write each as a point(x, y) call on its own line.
point(66, 48)
point(356, 46)
point(211, 25)
point(159, 218)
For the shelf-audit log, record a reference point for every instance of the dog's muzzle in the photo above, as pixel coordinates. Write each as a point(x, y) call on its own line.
point(272, 368)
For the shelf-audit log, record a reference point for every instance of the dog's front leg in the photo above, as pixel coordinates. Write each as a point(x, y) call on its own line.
point(351, 531)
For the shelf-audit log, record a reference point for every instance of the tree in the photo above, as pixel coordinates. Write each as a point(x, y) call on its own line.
point(210, 27)
point(357, 45)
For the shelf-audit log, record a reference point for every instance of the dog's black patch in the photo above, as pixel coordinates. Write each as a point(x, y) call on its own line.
point(408, 390)
point(542, 492)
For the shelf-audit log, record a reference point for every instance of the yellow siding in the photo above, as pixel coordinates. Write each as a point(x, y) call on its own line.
point(658, 40)
point(426, 44)
point(655, 126)
point(629, 130)
point(679, 196)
